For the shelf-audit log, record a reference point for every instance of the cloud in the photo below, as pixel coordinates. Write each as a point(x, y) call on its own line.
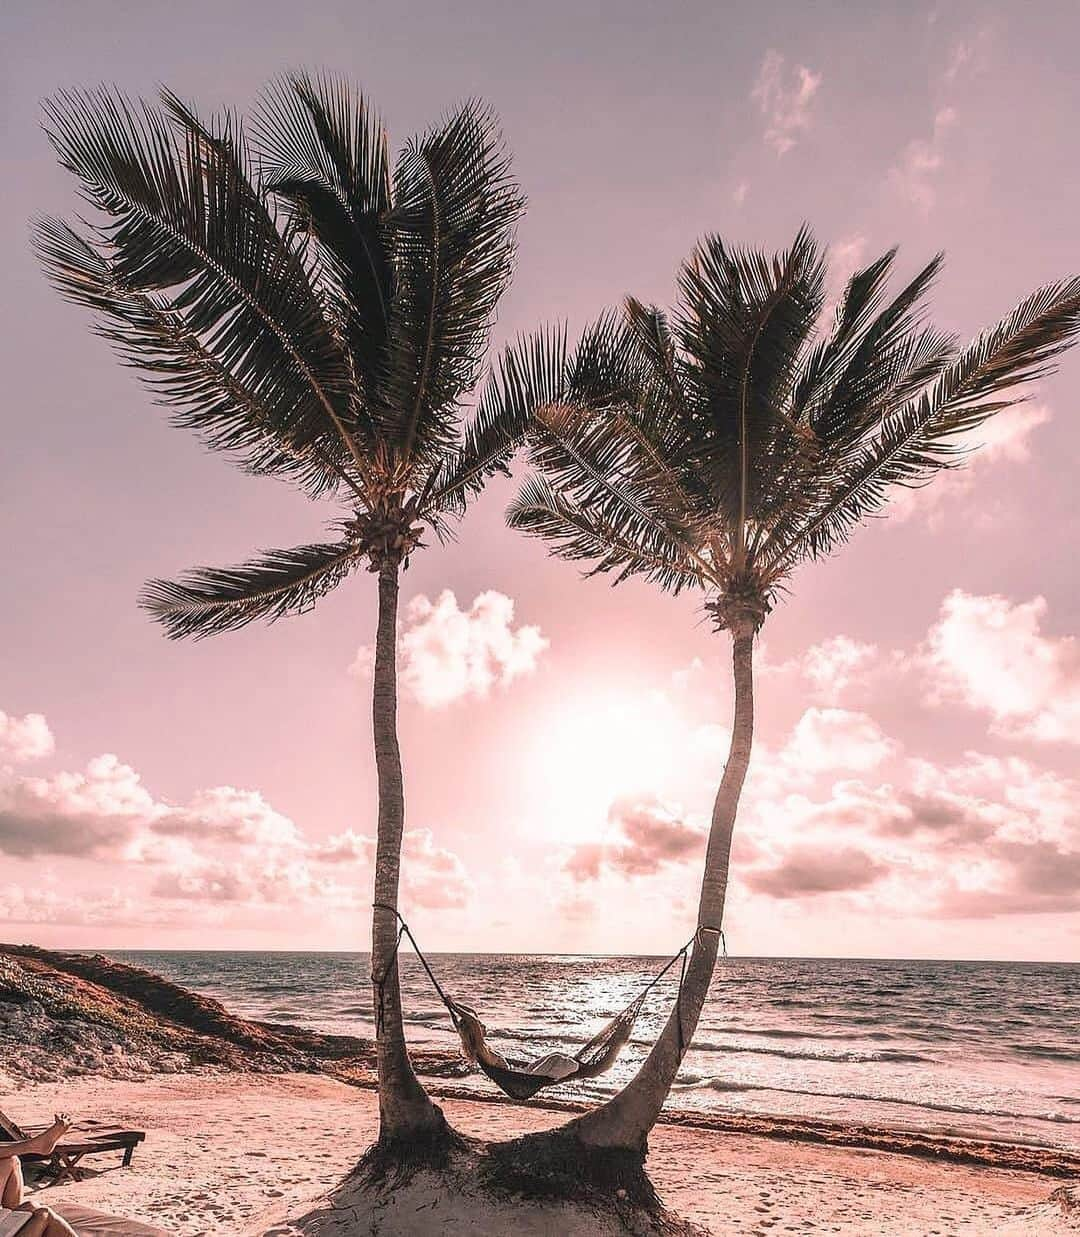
point(969, 56)
point(738, 194)
point(432, 876)
point(784, 100)
point(226, 846)
point(43, 905)
point(915, 174)
point(838, 663)
point(806, 871)
point(836, 739)
point(96, 812)
point(446, 654)
point(227, 814)
point(991, 654)
point(987, 836)
point(1007, 434)
point(24, 738)
point(645, 836)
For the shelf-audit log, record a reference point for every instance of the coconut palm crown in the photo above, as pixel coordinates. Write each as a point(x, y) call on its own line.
point(304, 306)
point(722, 445)
point(320, 315)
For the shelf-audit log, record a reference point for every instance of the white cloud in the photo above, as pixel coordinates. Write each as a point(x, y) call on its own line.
point(985, 837)
point(836, 739)
point(224, 846)
point(738, 194)
point(991, 654)
point(24, 738)
point(645, 835)
point(226, 814)
point(40, 904)
point(914, 175)
point(805, 871)
point(447, 654)
point(94, 812)
point(432, 876)
point(970, 56)
point(784, 100)
point(838, 663)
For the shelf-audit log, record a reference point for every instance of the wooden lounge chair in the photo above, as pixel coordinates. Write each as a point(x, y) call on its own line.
point(93, 1138)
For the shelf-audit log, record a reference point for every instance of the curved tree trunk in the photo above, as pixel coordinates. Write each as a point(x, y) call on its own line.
point(625, 1120)
point(405, 1111)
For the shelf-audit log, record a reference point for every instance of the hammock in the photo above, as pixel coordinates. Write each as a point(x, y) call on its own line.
point(521, 1080)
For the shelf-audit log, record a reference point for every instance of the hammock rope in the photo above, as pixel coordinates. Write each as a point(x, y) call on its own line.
point(522, 1081)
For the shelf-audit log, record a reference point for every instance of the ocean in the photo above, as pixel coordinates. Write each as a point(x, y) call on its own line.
point(971, 1049)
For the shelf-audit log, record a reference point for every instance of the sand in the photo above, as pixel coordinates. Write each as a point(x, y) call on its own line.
point(236, 1154)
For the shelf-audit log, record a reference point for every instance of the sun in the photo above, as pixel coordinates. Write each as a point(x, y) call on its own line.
point(597, 746)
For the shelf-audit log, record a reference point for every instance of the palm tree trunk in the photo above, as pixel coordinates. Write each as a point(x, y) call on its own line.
point(405, 1111)
point(625, 1120)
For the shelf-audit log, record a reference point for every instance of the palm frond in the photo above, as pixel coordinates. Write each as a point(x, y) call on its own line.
point(530, 375)
point(211, 600)
point(743, 322)
point(927, 434)
point(184, 220)
point(177, 367)
point(579, 535)
point(323, 153)
point(451, 231)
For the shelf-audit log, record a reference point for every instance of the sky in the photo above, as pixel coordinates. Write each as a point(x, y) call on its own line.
point(915, 789)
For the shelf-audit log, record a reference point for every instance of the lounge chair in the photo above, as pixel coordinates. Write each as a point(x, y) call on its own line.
point(89, 1223)
point(93, 1138)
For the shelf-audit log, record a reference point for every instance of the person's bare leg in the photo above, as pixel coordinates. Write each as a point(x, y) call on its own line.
point(41, 1144)
point(11, 1182)
point(44, 1223)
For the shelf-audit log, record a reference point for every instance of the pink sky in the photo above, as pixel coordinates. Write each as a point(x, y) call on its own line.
point(915, 790)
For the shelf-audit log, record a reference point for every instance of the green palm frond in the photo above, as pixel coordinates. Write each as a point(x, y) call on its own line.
point(927, 434)
point(324, 154)
point(183, 220)
point(210, 600)
point(529, 375)
point(452, 234)
point(579, 535)
point(744, 321)
point(183, 374)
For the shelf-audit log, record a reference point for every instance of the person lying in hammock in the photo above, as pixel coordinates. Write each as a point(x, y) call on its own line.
point(555, 1066)
point(16, 1214)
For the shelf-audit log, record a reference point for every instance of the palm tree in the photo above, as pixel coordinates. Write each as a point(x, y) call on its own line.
point(320, 317)
point(720, 448)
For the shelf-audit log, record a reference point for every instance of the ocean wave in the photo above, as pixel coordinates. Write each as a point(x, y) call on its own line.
point(853, 1056)
point(1046, 1053)
point(727, 1085)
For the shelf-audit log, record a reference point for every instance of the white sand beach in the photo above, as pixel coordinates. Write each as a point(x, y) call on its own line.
point(237, 1153)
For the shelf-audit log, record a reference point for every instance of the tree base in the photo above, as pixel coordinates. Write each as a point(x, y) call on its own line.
point(393, 1162)
point(539, 1186)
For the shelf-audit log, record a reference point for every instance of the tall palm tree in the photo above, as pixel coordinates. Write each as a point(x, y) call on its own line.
point(720, 448)
point(320, 316)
